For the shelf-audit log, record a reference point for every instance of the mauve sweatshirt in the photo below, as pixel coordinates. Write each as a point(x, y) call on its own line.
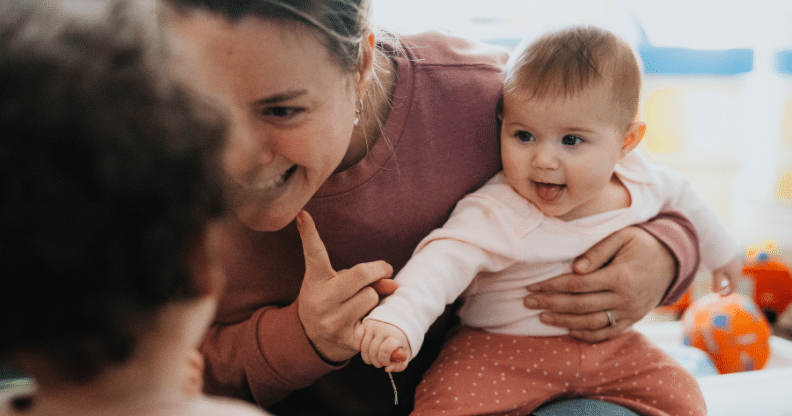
point(440, 142)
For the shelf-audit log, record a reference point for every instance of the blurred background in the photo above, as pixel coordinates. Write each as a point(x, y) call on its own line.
point(717, 91)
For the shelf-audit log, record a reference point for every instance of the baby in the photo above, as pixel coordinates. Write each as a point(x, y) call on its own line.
point(569, 179)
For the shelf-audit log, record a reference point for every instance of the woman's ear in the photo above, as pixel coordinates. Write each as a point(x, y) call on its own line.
point(634, 134)
point(365, 72)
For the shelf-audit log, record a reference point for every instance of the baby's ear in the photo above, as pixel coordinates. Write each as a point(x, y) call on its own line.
point(634, 134)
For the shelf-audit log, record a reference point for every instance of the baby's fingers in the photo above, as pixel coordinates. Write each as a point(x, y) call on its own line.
point(386, 349)
point(726, 278)
point(721, 284)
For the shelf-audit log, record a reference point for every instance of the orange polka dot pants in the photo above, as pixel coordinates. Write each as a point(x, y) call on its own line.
point(483, 373)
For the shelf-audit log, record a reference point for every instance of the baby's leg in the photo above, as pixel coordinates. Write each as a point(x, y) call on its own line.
point(632, 372)
point(482, 373)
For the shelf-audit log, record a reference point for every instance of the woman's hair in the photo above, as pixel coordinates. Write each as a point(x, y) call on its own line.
point(109, 175)
point(564, 62)
point(341, 23)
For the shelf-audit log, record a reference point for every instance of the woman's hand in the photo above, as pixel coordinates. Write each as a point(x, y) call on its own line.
point(332, 303)
point(598, 303)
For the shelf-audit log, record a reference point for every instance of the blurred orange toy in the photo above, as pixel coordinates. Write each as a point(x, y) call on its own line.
point(732, 330)
point(772, 279)
point(679, 306)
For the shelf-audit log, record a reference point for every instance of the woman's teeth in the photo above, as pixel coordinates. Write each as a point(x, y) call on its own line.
point(270, 183)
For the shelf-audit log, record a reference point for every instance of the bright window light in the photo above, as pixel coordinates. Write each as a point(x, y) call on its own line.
point(730, 62)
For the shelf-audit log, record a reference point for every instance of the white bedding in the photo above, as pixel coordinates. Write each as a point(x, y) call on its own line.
point(766, 392)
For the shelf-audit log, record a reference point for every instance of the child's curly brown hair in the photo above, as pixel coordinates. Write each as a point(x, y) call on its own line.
point(109, 174)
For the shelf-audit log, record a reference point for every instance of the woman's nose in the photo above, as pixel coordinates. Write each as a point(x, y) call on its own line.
point(246, 151)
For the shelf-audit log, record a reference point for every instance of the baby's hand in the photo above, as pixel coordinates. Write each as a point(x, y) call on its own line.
point(193, 384)
point(726, 278)
point(380, 346)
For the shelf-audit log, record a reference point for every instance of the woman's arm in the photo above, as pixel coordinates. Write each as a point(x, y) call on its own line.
point(280, 349)
point(263, 358)
point(628, 274)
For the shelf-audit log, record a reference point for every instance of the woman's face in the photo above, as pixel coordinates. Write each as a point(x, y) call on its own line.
point(291, 109)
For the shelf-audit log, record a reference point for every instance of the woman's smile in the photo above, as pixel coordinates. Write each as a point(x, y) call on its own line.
point(265, 182)
point(291, 110)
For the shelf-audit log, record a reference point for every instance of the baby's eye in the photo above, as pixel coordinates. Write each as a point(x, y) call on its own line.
point(524, 136)
point(571, 140)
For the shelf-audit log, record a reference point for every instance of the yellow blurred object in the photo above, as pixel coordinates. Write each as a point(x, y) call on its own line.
point(786, 122)
point(784, 189)
point(667, 123)
point(768, 247)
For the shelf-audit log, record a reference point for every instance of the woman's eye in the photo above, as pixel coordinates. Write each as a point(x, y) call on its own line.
point(524, 136)
point(571, 140)
point(281, 112)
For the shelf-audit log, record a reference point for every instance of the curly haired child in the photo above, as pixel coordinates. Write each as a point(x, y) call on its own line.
point(110, 197)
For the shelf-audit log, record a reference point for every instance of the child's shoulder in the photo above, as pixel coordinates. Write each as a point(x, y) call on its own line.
point(635, 168)
point(10, 397)
point(217, 406)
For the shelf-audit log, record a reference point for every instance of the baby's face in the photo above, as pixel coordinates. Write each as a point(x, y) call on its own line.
point(559, 152)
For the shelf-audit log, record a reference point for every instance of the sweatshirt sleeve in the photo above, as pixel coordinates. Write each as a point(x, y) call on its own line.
point(678, 235)
point(263, 358)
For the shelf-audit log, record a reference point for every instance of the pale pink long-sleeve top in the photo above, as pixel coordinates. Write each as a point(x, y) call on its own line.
point(496, 243)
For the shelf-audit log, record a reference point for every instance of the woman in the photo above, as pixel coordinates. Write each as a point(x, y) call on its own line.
point(376, 137)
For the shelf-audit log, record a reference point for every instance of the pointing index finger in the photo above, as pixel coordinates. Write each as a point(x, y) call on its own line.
point(317, 261)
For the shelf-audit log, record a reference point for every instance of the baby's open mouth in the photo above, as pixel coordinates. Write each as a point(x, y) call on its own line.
point(548, 192)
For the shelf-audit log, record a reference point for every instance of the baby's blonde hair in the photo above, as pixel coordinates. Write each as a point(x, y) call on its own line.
point(565, 62)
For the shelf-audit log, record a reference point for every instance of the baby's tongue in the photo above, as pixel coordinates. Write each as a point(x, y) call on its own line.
point(549, 192)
